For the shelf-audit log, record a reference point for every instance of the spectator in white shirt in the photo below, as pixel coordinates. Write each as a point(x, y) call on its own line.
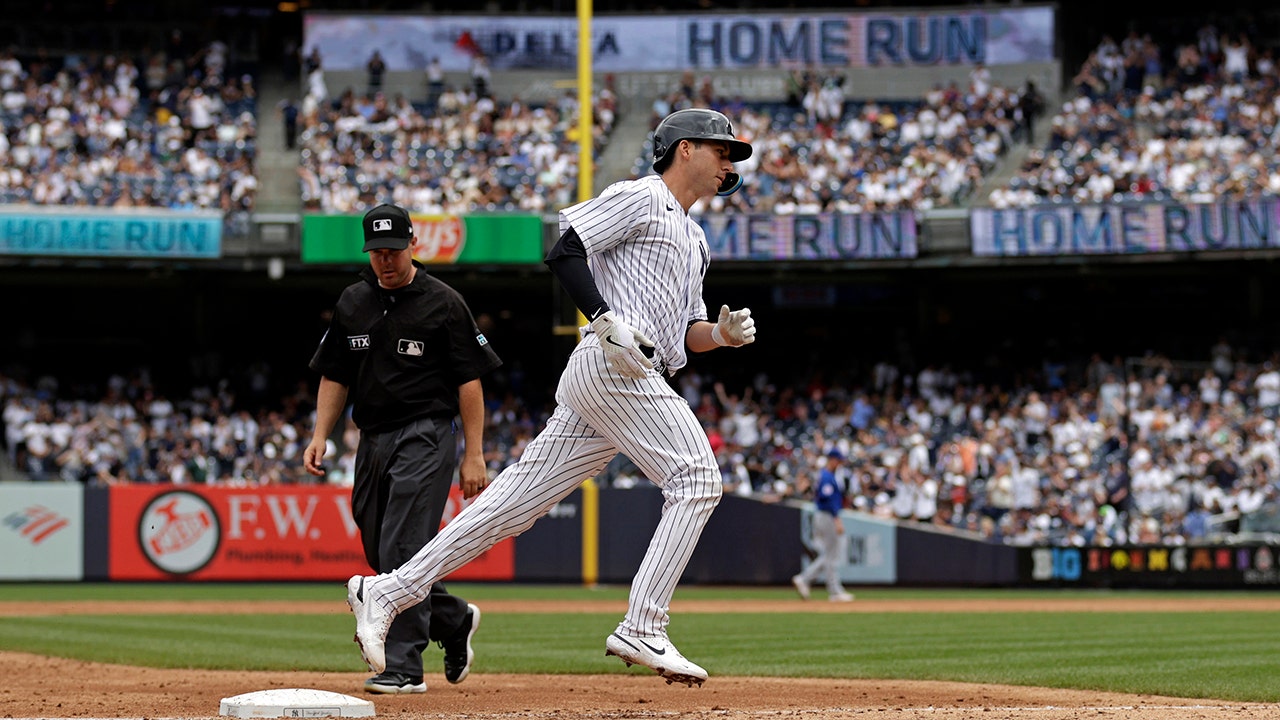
point(1267, 387)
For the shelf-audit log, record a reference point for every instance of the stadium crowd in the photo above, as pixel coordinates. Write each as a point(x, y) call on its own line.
point(1119, 454)
point(1124, 453)
point(820, 151)
point(462, 151)
point(167, 129)
point(177, 128)
point(1196, 125)
point(1189, 119)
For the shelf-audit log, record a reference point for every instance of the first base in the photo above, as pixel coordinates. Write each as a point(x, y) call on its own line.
point(295, 703)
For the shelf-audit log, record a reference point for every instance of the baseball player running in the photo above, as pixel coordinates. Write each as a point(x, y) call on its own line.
point(633, 262)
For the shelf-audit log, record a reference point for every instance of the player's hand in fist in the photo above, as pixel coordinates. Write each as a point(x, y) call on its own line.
point(734, 328)
point(621, 345)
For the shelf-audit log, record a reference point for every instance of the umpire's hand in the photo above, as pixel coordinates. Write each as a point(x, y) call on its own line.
point(313, 456)
point(473, 475)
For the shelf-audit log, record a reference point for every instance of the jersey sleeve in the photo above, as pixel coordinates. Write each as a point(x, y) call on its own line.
point(618, 213)
point(697, 309)
point(331, 359)
point(470, 354)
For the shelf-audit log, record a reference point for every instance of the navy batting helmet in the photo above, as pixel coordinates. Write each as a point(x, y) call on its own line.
point(698, 124)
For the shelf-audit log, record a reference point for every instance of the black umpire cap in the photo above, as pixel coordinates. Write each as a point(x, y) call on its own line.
point(387, 227)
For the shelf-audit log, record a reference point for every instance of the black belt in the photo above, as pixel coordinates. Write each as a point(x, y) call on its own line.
point(658, 364)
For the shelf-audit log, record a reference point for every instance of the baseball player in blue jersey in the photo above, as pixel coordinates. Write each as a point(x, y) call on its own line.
point(633, 262)
point(828, 533)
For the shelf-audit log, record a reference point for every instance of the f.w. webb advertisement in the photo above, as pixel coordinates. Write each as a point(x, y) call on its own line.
point(278, 533)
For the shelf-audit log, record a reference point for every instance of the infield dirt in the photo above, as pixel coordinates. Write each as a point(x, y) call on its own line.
point(41, 687)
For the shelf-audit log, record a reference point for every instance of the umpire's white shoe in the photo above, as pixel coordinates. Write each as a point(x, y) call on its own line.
point(657, 654)
point(372, 624)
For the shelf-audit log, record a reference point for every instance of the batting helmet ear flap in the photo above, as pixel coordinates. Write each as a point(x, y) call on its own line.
point(732, 182)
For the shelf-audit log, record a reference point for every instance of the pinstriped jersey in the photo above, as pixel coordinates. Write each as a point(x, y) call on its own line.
point(648, 258)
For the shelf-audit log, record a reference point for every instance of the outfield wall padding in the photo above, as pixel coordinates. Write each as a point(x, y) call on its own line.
point(935, 557)
point(97, 551)
point(305, 532)
point(551, 550)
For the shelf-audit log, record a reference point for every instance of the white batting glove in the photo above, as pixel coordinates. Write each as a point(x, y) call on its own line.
point(621, 345)
point(734, 328)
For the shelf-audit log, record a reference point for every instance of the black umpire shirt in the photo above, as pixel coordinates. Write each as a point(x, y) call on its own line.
point(402, 353)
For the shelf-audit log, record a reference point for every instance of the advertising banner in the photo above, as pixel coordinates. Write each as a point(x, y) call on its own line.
point(870, 555)
point(1152, 566)
point(287, 532)
point(745, 42)
point(1129, 228)
point(41, 531)
point(440, 239)
point(871, 549)
point(133, 233)
point(830, 236)
point(652, 43)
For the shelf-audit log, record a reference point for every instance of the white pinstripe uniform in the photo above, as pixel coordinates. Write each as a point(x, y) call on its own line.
point(648, 259)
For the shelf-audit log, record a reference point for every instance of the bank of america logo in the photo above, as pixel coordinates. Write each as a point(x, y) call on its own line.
point(35, 524)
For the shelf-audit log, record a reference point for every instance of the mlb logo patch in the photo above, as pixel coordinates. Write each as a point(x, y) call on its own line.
point(380, 225)
point(411, 347)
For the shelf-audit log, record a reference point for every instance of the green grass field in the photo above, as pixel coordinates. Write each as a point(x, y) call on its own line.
point(1228, 655)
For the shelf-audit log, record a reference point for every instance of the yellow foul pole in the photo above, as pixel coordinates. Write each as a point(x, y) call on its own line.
point(586, 166)
point(586, 143)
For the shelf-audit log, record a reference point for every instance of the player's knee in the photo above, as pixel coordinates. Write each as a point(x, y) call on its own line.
point(704, 484)
point(694, 480)
point(717, 492)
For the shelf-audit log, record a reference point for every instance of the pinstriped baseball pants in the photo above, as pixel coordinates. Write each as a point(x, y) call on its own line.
point(598, 414)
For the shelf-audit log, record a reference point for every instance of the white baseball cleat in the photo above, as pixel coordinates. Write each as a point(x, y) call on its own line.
point(802, 586)
point(840, 597)
point(657, 654)
point(372, 624)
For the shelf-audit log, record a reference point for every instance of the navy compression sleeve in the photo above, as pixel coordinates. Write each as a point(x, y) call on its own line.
point(568, 261)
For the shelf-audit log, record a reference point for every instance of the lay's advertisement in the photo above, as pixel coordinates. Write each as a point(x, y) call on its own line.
point(503, 239)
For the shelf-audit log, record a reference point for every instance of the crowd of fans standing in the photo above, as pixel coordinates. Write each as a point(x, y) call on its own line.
point(1152, 452)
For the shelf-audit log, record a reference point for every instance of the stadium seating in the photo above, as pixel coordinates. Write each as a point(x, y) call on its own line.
point(1059, 460)
point(865, 154)
point(468, 154)
point(1190, 133)
point(79, 130)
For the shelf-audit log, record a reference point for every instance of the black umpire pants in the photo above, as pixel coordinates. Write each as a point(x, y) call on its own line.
point(402, 481)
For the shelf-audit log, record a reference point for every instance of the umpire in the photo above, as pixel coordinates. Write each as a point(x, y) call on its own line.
point(406, 348)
